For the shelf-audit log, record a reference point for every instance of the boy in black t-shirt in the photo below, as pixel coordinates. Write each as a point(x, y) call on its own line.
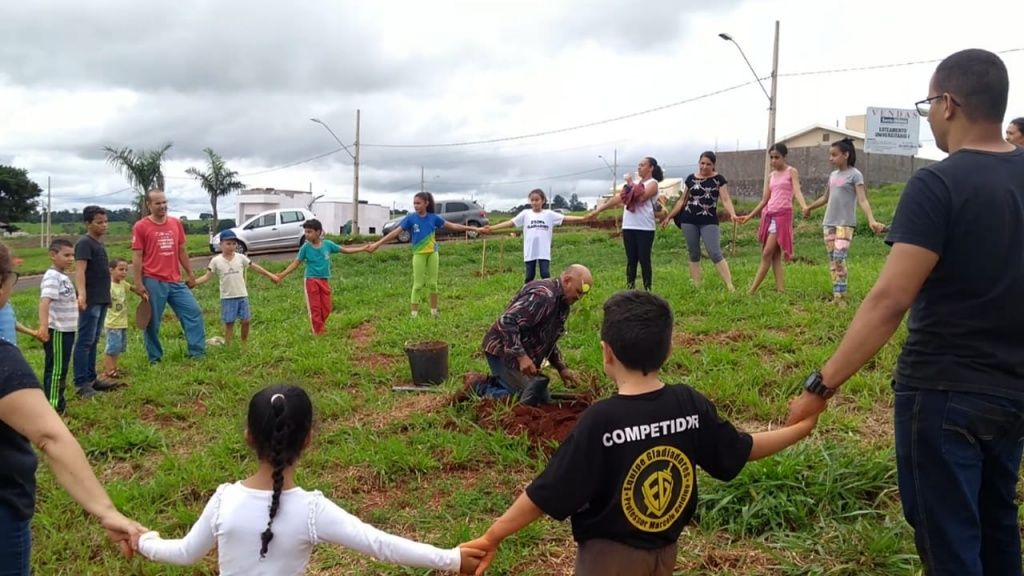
point(626, 475)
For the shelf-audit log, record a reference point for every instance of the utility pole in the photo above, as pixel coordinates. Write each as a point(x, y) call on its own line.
point(615, 168)
point(773, 100)
point(355, 183)
point(49, 211)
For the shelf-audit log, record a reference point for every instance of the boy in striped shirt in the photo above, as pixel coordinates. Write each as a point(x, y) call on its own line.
point(58, 320)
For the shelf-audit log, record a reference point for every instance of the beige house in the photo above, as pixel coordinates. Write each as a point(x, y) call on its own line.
point(821, 135)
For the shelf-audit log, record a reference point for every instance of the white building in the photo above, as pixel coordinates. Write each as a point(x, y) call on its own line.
point(333, 214)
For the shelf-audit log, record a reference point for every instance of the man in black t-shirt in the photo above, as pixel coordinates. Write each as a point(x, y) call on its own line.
point(957, 263)
point(626, 475)
point(92, 279)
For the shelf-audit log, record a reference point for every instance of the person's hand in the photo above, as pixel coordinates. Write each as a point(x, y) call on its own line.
point(743, 219)
point(275, 278)
point(471, 558)
point(43, 334)
point(123, 531)
point(372, 247)
point(486, 229)
point(81, 302)
point(807, 213)
point(569, 377)
point(664, 223)
point(804, 406)
point(628, 178)
point(191, 282)
point(526, 366)
point(878, 228)
point(489, 547)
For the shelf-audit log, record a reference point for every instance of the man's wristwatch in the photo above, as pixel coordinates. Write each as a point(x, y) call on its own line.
point(816, 386)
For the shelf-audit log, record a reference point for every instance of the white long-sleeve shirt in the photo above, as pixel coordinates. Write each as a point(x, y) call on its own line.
point(235, 517)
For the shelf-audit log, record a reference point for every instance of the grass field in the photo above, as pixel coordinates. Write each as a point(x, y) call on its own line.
point(415, 466)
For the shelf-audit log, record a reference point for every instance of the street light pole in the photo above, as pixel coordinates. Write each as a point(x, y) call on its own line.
point(355, 159)
point(772, 98)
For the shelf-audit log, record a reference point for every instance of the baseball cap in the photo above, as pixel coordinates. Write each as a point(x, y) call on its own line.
point(228, 234)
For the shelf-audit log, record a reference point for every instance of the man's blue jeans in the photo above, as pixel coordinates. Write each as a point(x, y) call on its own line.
point(15, 544)
point(90, 326)
point(958, 458)
point(505, 381)
point(185, 307)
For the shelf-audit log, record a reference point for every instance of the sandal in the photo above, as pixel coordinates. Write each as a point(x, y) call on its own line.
point(115, 374)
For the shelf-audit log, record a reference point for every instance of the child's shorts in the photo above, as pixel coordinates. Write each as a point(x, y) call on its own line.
point(233, 309)
point(117, 341)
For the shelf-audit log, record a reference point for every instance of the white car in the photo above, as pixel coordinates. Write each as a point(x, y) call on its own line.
point(271, 230)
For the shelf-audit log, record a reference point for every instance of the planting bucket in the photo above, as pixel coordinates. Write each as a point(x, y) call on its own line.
point(428, 362)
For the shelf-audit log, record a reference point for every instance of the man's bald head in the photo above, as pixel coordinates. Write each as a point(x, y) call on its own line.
point(576, 281)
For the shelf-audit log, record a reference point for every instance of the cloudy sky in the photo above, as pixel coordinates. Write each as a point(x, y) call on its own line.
point(245, 77)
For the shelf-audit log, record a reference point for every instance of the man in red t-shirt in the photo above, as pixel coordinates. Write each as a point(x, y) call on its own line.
point(158, 254)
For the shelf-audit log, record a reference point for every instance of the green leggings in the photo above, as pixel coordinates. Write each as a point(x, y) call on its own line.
point(424, 273)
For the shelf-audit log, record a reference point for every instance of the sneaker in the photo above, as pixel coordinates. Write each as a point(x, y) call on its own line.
point(87, 392)
point(102, 385)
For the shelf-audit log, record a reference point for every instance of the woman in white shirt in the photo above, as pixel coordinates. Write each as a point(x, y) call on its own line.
point(279, 428)
point(638, 224)
point(538, 225)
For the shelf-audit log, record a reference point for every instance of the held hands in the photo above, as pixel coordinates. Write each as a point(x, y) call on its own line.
point(806, 406)
point(878, 228)
point(275, 278)
point(191, 282)
point(742, 219)
point(141, 291)
point(471, 558)
point(43, 334)
point(482, 544)
point(371, 248)
point(123, 532)
point(807, 212)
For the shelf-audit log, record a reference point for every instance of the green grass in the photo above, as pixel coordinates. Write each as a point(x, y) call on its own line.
point(415, 466)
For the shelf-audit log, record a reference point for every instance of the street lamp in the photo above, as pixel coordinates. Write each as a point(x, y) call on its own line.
point(355, 164)
point(772, 101)
point(615, 160)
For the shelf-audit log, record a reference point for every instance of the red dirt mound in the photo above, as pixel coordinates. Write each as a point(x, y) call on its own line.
point(541, 424)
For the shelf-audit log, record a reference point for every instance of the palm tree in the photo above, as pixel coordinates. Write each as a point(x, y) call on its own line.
point(218, 181)
point(143, 170)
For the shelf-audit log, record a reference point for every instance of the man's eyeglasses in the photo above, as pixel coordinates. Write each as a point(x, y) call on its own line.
point(925, 105)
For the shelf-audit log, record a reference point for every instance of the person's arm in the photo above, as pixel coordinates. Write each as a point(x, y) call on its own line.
point(650, 190)
point(615, 200)
point(458, 227)
point(353, 249)
point(22, 329)
point(43, 333)
point(387, 238)
point(574, 219)
point(336, 526)
point(797, 192)
point(261, 270)
point(765, 196)
point(877, 319)
point(28, 413)
point(80, 267)
point(727, 201)
point(862, 199)
point(683, 198)
point(188, 550)
point(500, 226)
point(521, 514)
point(818, 203)
point(139, 288)
point(204, 278)
point(186, 264)
point(528, 309)
point(773, 441)
point(291, 267)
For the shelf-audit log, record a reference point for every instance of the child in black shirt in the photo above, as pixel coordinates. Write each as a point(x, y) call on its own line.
point(626, 475)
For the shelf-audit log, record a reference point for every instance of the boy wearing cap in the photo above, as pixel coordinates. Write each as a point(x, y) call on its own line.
point(234, 296)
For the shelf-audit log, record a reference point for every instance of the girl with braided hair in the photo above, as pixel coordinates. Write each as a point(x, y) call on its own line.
point(252, 542)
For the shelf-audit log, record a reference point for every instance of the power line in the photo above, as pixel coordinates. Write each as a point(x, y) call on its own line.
point(567, 128)
point(876, 66)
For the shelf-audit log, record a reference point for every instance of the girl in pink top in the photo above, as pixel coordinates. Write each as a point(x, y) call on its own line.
point(776, 229)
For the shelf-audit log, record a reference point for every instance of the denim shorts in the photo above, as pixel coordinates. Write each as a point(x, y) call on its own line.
point(117, 341)
point(232, 309)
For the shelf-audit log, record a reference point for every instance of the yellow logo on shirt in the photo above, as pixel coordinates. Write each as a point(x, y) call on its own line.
point(657, 489)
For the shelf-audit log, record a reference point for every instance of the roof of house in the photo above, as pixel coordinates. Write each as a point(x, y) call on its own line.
point(834, 129)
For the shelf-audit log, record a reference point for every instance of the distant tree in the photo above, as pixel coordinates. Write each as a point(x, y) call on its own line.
point(217, 180)
point(575, 205)
point(18, 194)
point(143, 170)
point(559, 203)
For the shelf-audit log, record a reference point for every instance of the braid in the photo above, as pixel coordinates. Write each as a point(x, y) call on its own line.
point(279, 460)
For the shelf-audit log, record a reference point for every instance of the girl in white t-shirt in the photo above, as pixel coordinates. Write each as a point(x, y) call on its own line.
point(538, 225)
point(235, 519)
